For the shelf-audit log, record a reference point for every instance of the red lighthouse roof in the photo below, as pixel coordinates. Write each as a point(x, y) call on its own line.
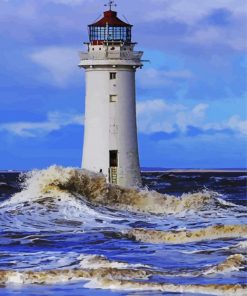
point(110, 18)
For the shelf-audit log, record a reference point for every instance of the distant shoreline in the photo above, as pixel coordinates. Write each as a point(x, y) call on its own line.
point(160, 170)
point(196, 171)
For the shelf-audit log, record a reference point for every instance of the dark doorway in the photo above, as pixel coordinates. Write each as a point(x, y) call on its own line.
point(113, 158)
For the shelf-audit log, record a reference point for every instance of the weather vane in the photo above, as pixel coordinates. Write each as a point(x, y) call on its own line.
point(111, 4)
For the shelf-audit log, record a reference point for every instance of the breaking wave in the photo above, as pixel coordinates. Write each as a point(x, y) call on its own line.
point(188, 236)
point(61, 276)
point(100, 261)
point(240, 247)
point(114, 279)
point(99, 272)
point(61, 183)
point(69, 199)
point(232, 263)
point(75, 205)
point(165, 287)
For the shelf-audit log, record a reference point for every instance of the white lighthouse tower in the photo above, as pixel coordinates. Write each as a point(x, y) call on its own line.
point(110, 139)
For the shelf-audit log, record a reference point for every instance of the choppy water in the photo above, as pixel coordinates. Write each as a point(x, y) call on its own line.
point(66, 232)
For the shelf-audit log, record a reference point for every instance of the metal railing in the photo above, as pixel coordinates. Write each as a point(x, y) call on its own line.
point(122, 55)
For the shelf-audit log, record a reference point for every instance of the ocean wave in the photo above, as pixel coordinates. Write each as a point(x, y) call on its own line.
point(227, 178)
point(5, 186)
point(66, 275)
point(100, 261)
point(233, 263)
point(241, 247)
point(58, 182)
point(114, 279)
point(63, 214)
point(188, 236)
point(124, 279)
point(87, 266)
point(123, 285)
point(100, 272)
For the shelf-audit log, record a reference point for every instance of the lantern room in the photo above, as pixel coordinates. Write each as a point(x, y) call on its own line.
point(110, 29)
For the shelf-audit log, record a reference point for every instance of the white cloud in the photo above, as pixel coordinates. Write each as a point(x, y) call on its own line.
point(69, 2)
point(157, 106)
point(190, 117)
point(236, 123)
point(158, 116)
point(192, 11)
point(55, 121)
point(213, 36)
point(59, 64)
point(199, 110)
point(31, 20)
point(154, 77)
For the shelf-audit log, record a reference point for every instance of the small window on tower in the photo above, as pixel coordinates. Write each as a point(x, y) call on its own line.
point(113, 75)
point(113, 98)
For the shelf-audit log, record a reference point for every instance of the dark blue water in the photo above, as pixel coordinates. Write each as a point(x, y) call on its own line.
point(44, 228)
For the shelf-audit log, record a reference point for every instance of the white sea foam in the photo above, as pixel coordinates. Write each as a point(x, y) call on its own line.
point(105, 273)
point(123, 285)
point(58, 182)
point(100, 261)
point(240, 247)
point(231, 264)
point(187, 236)
point(73, 199)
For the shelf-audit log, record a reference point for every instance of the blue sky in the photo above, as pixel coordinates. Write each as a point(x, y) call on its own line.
point(191, 96)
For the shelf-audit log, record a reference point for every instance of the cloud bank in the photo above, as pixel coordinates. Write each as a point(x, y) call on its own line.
point(158, 116)
point(54, 122)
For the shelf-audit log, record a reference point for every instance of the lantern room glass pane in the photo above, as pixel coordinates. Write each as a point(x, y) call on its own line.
point(111, 33)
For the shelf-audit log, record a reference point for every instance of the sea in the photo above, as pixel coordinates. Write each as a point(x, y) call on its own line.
point(65, 231)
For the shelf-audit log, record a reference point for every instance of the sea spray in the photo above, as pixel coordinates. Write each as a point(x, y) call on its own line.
point(93, 188)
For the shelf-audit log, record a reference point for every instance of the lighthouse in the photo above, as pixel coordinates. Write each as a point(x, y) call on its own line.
point(110, 137)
